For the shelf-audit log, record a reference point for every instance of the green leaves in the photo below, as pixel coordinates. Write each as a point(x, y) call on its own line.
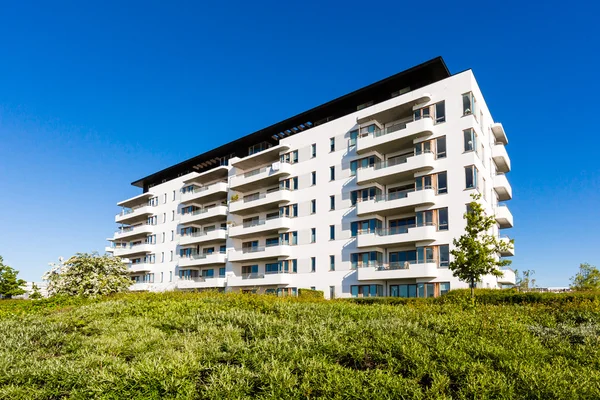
point(10, 285)
point(588, 278)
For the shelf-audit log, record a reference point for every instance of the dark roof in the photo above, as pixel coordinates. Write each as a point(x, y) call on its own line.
point(421, 75)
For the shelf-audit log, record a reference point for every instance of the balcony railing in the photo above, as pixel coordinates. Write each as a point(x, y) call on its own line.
point(256, 275)
point(127, 211)
point(397, 160)
point(199, 278)
point(200, 189)
point(202, 233)
point(390, 129)
point(399, 195)
point(259, 196)
point(395, 231)
point(393, 265)
point(258, 222)
point(200, 256)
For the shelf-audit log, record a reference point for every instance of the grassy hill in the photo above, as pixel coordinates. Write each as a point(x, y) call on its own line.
point(214, 346)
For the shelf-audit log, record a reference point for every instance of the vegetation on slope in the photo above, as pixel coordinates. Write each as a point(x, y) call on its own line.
point(215, 346)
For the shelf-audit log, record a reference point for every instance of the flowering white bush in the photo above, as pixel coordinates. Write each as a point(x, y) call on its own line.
point(87, 275)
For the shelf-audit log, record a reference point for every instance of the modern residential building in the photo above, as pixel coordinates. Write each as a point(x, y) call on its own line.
point(361, 196)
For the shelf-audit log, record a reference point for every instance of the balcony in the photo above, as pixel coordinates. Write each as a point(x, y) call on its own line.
point(209, 193)
point(510, 252)
point(136, 201)
point(508, 277)
point(263, 157)
point(203, 237)
point(260, 178)
point(140, 287)
point(395, 170)
point(261, 279)
point(500, 157)
point(130, 232)
point(217, 173)
point(397, 236)
point(261, 202)
point(126, 251)
point(201, 260)
point(504, 217)
point(502, 187)
point(205, 215)
point(139, 268)
point(133, 215)
point(201, 283)
point(396, 203)
point(259, 253)
point(262, 227)
point(395, 137)
point(389, 271)
point(499, 134)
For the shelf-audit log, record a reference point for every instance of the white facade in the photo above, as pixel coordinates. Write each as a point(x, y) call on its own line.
point(247, 226)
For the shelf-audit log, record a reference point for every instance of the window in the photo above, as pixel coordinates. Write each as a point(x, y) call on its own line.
point(332, 173)
point(471, 177)
point(272, 242)
point(173, 195)
point(162, 277)
point(469, 104)
point(470, 139)
point(440, 147)
point(332, 263)
point(165, 199)
point(170, 276)
point(332, 144)
point(414, 290)
point(313, 206)
point(288, 238)
point(172, 235)
point(331, 203)
point(444, 288)
point(290, 211)
point(313, 264)
point(313, 150)
point(313, 235)
point(444, 255)
point(162, 257)
point(366, 290)
point(442, 214)
point(313, 288)
point(163, 237)
point(366, 226)
point(363, 163)
point(313, 178)
point(173, 215)
point(364, 195)
point(291, 183)
point(331, 232)
point(442, 182)
point(440, 112)
point(249, 269)
point(222, 272)
point(164, 217)
point(366, 259)
point(153, 201)
point(421, 113)
point(291, 157)
point(331, 292)
point(171, 255)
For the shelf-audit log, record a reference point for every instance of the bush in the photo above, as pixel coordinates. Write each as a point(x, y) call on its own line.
point(310, 294)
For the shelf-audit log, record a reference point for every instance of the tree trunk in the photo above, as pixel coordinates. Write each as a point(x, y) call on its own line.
point(472, 292)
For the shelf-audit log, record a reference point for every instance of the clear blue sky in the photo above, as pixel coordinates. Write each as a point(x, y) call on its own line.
point(95, 96)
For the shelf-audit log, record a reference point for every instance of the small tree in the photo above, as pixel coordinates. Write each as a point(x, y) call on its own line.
point(476, 252)
point(35, 292)
point(588, 278)
point(88, 275)
point(10, 285)
point(525, 281)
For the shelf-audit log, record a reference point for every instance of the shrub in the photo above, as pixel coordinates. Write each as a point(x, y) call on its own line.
point(310, 294)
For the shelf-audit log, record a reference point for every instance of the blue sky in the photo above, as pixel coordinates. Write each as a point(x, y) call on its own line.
point(95, 96)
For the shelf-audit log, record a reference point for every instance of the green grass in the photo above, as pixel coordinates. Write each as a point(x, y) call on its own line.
point(215, 346)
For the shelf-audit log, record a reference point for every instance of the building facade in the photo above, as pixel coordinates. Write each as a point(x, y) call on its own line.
point(361, 196)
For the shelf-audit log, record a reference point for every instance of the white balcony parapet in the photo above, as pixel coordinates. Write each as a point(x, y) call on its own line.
point(204, 215)
point(123, 251)
point(140, 287)
point(500, 157)
point(404, 270)
point(503, 216)
point(262, 226)
point(499, 134)
point(259, 253)
point(202, 259)
point(396, 203)
point(394, 137)
point(508, 277)
point(502, 187)
point(129, 214)
point(509, 252)
point(139, 267)
point(269, 279)
point(262, 157)
point(396, 236)
point(260, 202)
point(203, 236)
point(260, 177)
point(132, 231)
point(204, 193)
point(201, 282)
point(136, 201)
point(395, 170)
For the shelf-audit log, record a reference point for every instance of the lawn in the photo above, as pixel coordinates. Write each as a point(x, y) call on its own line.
point(216, 346)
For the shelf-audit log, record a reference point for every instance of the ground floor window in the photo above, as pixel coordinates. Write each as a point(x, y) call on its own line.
point(366, 290)
point(421, 290)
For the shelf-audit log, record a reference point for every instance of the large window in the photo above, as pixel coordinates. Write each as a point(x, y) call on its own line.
point(440, 112)
point(288, 238)
point(471, 177)
point(366, 290)
point(440, 147)
point(367, 226)
point(469, 104)
point(442, 215)
point(436, 111)
point(291, 157)
point(399, 259)
point(444, 255)
point(289, 211)
point(366, 259)
point(364, 194)
point(442, 182)
point(418, 290)
point(362, 163)
point(470, 139)
point(290, 183)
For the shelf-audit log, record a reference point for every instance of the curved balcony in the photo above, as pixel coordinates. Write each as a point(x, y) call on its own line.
point(261, 158)
point(259, 253)
point(508, 277)
point(140, 287)
point(509, 252)
point(129, 250)
point(499, 134)
point(397, 236)
point(500, 157)
point(131, 232)
point(428, 270)
point(205, 215)
point(502, 187)
point(394, 138)
point(203, 237)
point(260, 177)
point(201, 283)
point(132, 215)
point(201, 260)
point(504, 217)
point(395, 170)
point(261, 279)
point(262, 227)
point(396, 203)
point(261, 202)
point(205, 193)
point(139, 268)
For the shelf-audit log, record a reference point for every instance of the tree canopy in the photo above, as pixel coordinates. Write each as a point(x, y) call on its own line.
point(10, 285)
point(476, 252)
point(588, 278)
point(87, 275)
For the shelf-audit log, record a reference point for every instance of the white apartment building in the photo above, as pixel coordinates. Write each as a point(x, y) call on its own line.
point(361, 196)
